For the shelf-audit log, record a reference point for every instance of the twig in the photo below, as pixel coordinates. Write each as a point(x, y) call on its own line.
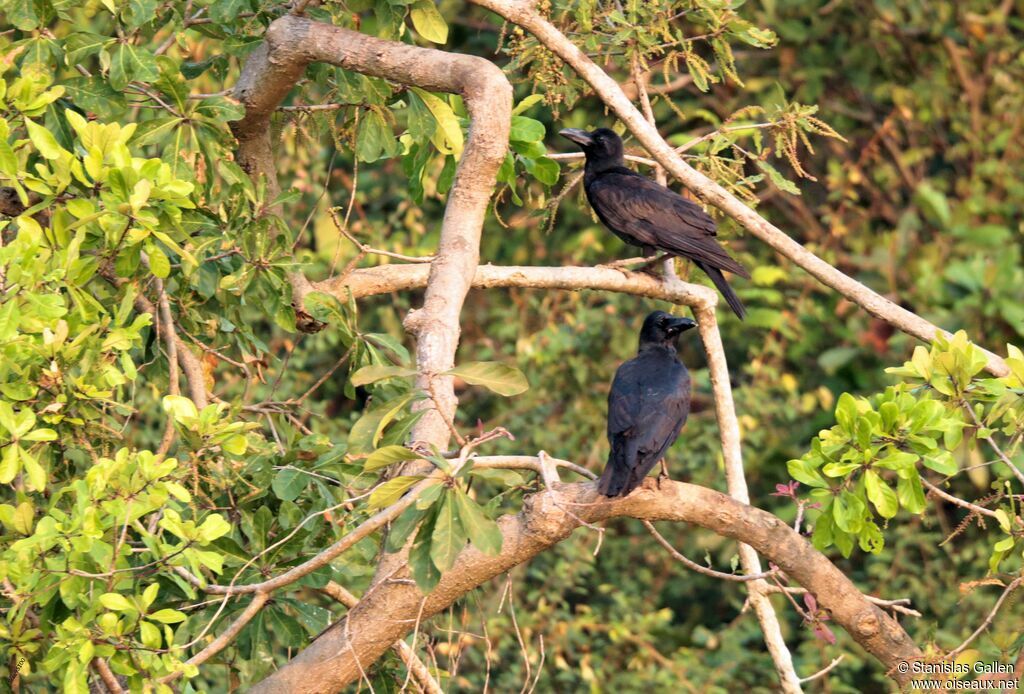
point(166, 329)
point(526, 462)
point(896, 605)
point(991, 442)
point(729, 430)
point(417, 668)
point(821, 673)
point(1014, 584)
point(694, 566)
point(366, 528)
point(363, 248)
point(108, 677)
point(974, 508)
point(226, 637)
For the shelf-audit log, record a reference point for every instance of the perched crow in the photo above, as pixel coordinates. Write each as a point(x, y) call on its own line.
point(646, 214)
point(647, 405)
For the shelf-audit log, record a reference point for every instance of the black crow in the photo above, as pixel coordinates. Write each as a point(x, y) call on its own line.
point(644, 213)
point(647, 405)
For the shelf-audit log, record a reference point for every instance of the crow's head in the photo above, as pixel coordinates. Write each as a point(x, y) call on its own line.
point(661, 328)
point(600, 146)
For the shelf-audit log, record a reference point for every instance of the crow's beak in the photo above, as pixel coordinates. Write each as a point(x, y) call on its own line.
point(580, 137)
point(676, 326)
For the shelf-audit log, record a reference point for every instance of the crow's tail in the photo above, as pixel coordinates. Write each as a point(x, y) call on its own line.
point(619, 477)
point(723, 286)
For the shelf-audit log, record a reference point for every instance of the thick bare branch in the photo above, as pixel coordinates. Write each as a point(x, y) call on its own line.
point(388, 611)
point(291, 43)
point(523, 13)
point(392, 278)
point(412, 661)
point(736, 481)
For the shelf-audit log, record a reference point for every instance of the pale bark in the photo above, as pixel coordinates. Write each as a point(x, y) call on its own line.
point(736, 481)
point(389, 611)
point(384, 279)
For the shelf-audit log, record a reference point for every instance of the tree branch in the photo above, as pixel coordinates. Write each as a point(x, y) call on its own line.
point(523, 13)
point(736, 481)
point(384, 279)
point(416, 666)
point(384, 615)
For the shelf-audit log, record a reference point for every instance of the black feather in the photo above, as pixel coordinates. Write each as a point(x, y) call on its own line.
point(645, 213)
point(647, 407)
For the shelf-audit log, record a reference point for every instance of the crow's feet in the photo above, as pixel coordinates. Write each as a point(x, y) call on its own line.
point(663, 475)
point(648, 267)
point(626, 263)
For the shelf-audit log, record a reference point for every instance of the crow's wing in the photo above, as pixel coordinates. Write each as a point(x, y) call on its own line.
point(647, 407)
point(639, 208)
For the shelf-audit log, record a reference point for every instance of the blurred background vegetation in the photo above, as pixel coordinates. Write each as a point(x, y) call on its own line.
point(920, 200)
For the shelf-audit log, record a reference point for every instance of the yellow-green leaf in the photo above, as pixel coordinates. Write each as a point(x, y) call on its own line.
point(391, 491)
point(428, 22)
point(115, 602)
point(388, 455)
point(495, 376)
point(44, 141)
point(379, 372)
point(448, 136)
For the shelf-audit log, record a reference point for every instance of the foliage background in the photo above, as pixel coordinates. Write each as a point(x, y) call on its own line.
point(921, 201)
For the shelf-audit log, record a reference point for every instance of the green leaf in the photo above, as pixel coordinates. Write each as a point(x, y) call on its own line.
point(527, 103)
point(149, 595)
point(428, 22)
point(880, 494)
point(805, 473)
point(943, 463)
point(388, 455)
point(424, 572)
point(870, 538)
point(289, 483)
point(167, 616)
point(783, 183)
point(526, 129)
point(844, 541)
point(483, 532)
point(226, 11)
point(235, 445)
point(158, 262)
point(9, 463)
point(495, 376)
point(115, 602)
point(149, 635)
point(391, 491)
point(847, 510)
point(403, 526)
point(213, 527)
point(375, 140)
point(449, 537)
point(933, 204)
point(130, 63)
point(379, 372)
point(910, 492)
point(44, 141)
point(448, 136)
point(33, 470)
point(543, 169)
point(846, 413)
point(180, 407)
